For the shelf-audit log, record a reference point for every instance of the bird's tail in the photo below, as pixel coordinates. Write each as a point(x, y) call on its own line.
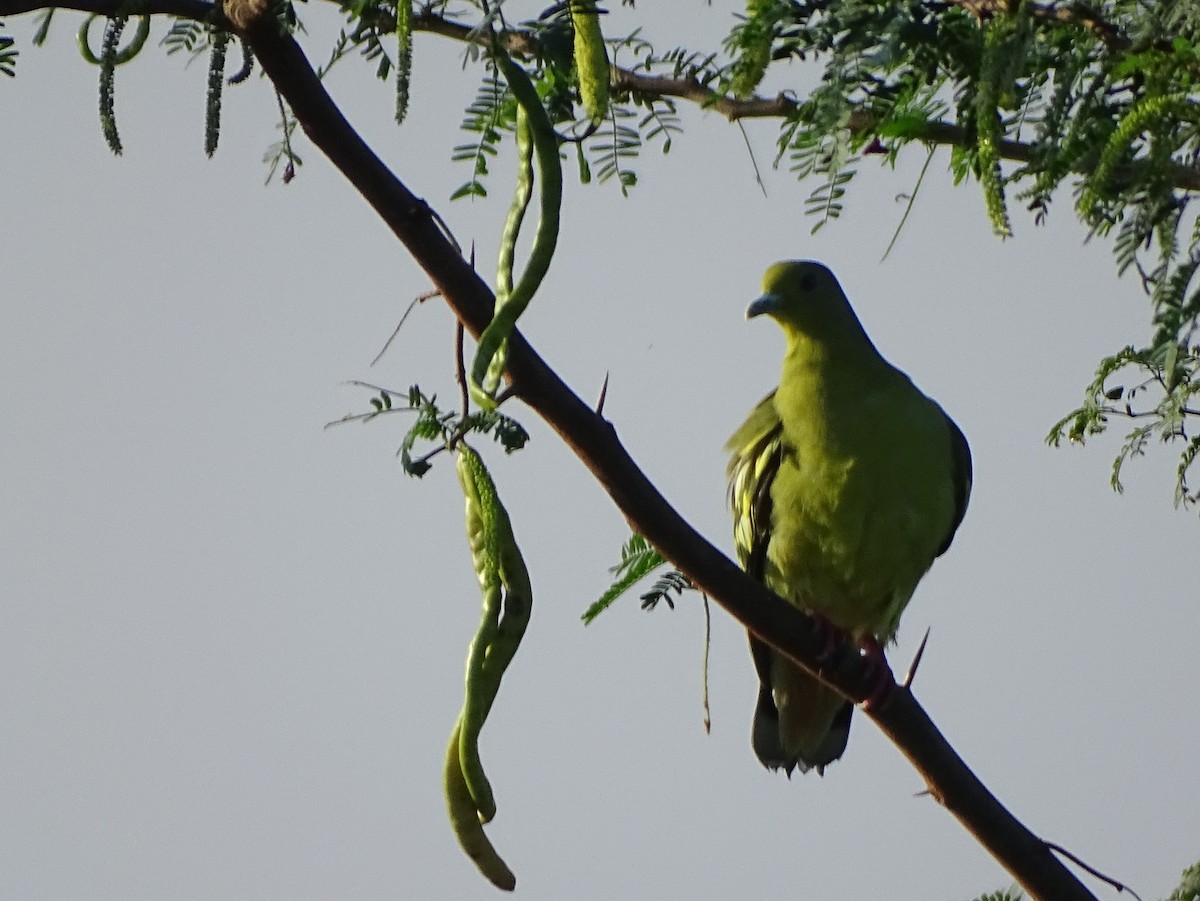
point(799, 722)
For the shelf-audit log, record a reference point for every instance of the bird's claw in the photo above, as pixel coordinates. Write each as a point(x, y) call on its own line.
point(829, 636)
point(883, 682)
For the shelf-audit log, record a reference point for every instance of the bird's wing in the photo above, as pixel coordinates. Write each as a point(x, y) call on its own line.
point(756, 450)
point(962, 474)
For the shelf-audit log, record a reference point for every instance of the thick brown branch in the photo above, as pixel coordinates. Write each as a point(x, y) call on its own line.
point(200, 10)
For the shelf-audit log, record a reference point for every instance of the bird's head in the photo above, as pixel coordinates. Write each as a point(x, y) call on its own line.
point(806, 300)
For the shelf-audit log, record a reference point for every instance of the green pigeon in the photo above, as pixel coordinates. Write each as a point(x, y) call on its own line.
point(846, 482)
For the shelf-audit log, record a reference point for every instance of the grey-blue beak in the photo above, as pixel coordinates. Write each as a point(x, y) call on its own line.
point(767, 303)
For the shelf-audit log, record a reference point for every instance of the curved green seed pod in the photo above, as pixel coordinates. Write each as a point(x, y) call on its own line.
point(508, 239)
point(121, 56)
point(507, 603)
point(403, 57)
point(545, 145)
point(518, 603)
point(467, 828)
point(498, 563)
point(591, 59)
point(481, 687)
point(987, 127)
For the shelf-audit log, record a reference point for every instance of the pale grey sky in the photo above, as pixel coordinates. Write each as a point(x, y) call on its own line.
point(232, 642)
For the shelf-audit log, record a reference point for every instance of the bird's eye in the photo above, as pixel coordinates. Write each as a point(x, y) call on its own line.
point(808, 281)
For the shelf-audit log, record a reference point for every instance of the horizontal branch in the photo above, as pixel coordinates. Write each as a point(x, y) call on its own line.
point(594, 440)
point(861, 121)
point(692, 90)
point(199, 10)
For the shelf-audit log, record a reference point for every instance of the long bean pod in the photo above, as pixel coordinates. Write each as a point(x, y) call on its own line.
point(465, 821)
point(591, 59)
point(522, 194)
point(403, 57)
point(507, 603)
point(121, 56)
point(481, 686)
point(549, 171)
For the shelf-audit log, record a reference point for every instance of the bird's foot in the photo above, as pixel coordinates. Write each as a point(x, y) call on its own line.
point(883, 682)
point(829, 636)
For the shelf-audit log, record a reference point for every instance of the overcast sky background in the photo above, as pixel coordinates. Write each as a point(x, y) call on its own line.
point(232, 641)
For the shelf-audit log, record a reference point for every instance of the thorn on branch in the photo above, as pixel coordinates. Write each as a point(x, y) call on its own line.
point(603, 396)
point(916, 661)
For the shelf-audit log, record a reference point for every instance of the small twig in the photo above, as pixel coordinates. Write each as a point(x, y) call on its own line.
point(460, 369)
point(367, 417)
point(916, 661)
point(420, 298)
point(358, 383)
point(437, 450)
point(1120, 887)
point(908, 207)
point(590, 130)
point(707, 647)
point(753, 160)
point(603, 397)
point(289, 171)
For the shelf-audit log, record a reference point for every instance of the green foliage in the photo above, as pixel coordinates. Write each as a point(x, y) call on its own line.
point(8, 55)
point(639, 559)
point(664, 586)
point(1008, 894)
point(1189, 885)
point(491, 112)
point(433, 425)
point(1160, 403)
point(751, 43)
point(994, 73)
point(108, 63)
point(1101, 95)
point(184, 36)
point(403, 57)
point(1099, 99)
point(216, 82)
point(617, 144)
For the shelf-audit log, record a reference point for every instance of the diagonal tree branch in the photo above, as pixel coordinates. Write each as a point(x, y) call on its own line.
point(1029, 859)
